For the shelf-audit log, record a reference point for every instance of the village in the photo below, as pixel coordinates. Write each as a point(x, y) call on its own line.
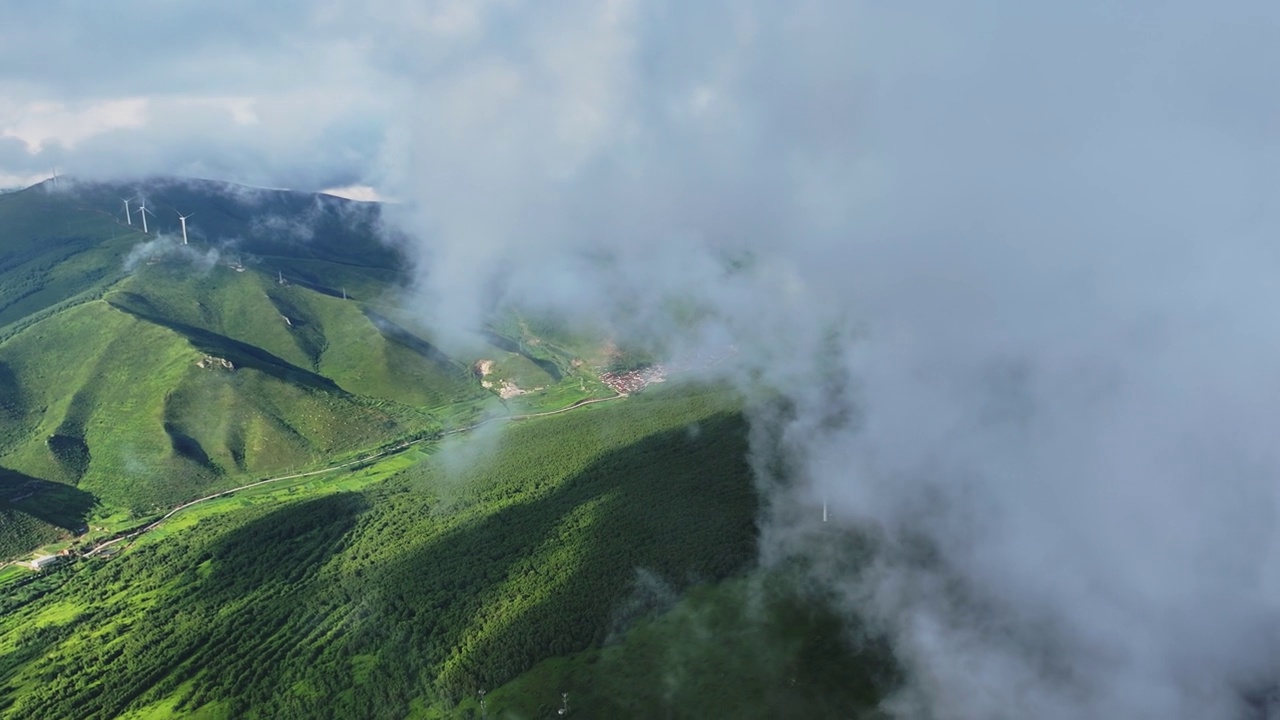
point(633, 381)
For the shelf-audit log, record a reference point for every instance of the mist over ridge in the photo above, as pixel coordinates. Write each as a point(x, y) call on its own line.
point(1010, 266)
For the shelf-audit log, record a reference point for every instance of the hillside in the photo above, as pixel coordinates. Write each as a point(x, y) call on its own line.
point(408, 587)
point(137, 373)
point(462, 540)
point(452, 574)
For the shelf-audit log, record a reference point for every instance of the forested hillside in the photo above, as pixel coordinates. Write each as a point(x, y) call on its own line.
point(455, 574)
point(461, 540)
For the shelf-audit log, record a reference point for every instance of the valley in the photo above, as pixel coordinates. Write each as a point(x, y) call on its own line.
point(273, 493)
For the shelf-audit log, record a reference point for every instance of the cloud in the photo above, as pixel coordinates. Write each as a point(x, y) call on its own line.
point(1010, 265)
point(362, 193)
point(264, 96)
point(36, 123)
point(166, 247)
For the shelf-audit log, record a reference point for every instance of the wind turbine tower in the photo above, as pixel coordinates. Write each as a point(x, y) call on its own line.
point(142, 210)
point(183, 219)
point(128, 218)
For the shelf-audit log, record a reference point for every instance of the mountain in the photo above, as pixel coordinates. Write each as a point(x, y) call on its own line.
point(281, 497)
point(137, 372)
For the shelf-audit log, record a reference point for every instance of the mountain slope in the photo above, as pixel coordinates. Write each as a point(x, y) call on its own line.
point(141, 372)
point(528, 557)
point(128, 413)
point(52, 249)
point(455, 573)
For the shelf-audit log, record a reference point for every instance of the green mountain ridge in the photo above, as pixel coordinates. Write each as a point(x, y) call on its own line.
point(146, 373)
point(507, 537)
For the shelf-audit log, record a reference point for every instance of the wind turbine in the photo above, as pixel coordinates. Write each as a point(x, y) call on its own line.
point(55, 176)
point(142, 210)
point(183, 219)
point(127, 217)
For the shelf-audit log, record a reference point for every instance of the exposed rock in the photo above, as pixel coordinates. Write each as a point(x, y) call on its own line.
point(209, 362)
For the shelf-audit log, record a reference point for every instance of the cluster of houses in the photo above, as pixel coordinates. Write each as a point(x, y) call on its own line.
point(630, 381)
point(636, 380)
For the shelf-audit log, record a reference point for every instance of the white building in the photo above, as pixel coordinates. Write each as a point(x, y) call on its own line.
point(41, 563)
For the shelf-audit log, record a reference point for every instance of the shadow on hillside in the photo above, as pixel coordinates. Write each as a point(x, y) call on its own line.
point(679, 505)
point(403, 337)
point(416, 614)
point(504, 343)
point(768, 645)
point(222, 614)
point(188, 447)
point(63, 506)
point(280, 547)
point(442, 617)
point(242, 355)
point(10, 394)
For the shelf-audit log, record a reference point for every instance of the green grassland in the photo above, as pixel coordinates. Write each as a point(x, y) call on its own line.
point(117, 406)
point(114, 393)
point(408, 585)
point(606, 551)
point(52, 251)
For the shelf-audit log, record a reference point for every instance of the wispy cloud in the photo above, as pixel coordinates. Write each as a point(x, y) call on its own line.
point(1010, 264)
point(1007, 264)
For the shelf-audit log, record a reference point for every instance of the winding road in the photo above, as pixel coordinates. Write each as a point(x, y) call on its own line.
point(366, 459)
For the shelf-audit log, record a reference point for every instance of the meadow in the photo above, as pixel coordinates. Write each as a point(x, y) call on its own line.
point(136, 374)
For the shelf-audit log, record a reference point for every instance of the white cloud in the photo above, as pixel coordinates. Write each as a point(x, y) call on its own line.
point(13, 181)
point(1012, 264)
point(363, 193)
point(242, 110)
point(1017, 303)
point(37, 123)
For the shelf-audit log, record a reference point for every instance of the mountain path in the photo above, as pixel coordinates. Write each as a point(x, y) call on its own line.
point(366, 459)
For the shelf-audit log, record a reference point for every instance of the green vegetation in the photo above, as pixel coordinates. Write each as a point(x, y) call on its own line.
point(118, 406)
point(747, 648)
point(458, 572)
point(528, 556)
point(53, 249)
point(139, 374)
point(37, 512)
